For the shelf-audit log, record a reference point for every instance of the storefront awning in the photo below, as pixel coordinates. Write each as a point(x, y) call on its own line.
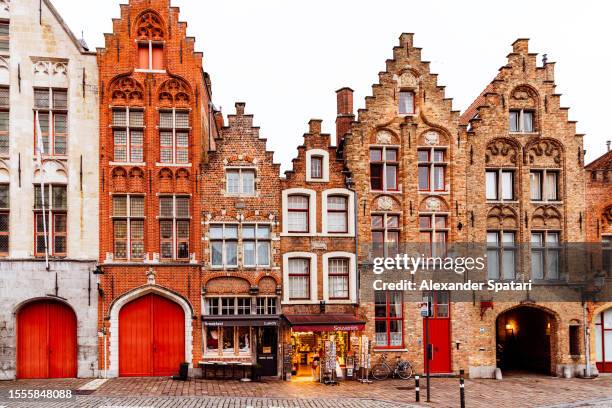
point(220, 321)
point(325, 322)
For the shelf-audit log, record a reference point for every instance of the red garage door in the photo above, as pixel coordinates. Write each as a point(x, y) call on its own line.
point(46, 340)
point(151, 337)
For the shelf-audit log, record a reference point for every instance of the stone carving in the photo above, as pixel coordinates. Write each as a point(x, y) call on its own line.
point(174, 91)
point(500, 147)
point(524, 93)
point(50, 67)
point(385, 203)
point(384, 137)
point(149, 26)
point(546, 216)
point(126, 90)
point(5, 5)
point(543, 147)
point(432, 138)
point(151, 276)
point(607, 215)
point(433, 204)
point(408, 80)
point(502, 216)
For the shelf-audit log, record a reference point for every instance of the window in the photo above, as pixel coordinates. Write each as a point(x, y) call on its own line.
point(227, 306)
point(385, 234)
point(432, 169)
point(521, 121)
point(266, 305)
point(151, 56)
point(174, 227)
point(383, 168)
point(4, 37)
point(56, 207)
point(406, 102)
point(256, 245)
point(240, 182)
point(337, 214)
point(574, 340)
point(545, 255)
point(388, 320)
point(606, 249)
point(316, 167)
point(235, 340)
point(4, 119)
point(299, 278)
point(544, 185)
point(128, 226)
point(298, 213)
point(501, 255)
point(439, 302)
point(500, 185)
point(128, 135)
point(51, 112)
point(4, 219)
point(433, 231)
point(338, 278)
point(174, 136)
point(224, 245)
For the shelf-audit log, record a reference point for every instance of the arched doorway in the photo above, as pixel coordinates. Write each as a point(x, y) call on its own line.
point(603, 341)
point(525, 340)
point(151, 337)
point(46, 340)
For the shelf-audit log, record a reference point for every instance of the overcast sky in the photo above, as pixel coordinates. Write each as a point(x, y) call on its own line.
point(285, 59)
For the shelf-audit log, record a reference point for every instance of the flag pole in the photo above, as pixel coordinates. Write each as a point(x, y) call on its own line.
point(40, 150)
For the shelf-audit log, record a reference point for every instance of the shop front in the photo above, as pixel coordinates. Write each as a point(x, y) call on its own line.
point(321, 347)
point(242, 340)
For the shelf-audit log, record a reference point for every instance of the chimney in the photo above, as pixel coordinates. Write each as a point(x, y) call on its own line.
point(344, 117)
point(608, 144)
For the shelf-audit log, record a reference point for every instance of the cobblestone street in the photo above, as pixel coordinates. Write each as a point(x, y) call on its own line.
point(528, 391)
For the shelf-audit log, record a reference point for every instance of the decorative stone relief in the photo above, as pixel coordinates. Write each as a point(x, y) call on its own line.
point(50, 68)
point(408, 80)
point(433, 204)
point(149, 26)
point(4, 62)
point(432, 138)
point(500, 147)
point(544, 148)
point(546, 216)
point(385, 203)
point(127, 90)
point(174, 91)
point(384, 137)
point(151, 276)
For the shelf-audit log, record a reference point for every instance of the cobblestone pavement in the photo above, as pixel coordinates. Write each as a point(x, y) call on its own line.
point(515, 392)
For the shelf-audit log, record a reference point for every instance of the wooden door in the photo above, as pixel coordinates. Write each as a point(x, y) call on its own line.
point(439, 332)
point(46, 340)
point(151, 337)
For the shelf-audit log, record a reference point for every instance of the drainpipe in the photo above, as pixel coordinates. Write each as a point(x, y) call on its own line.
point(587, 340)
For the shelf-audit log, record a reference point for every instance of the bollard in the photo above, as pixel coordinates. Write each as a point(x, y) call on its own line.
point(462, 388)
point(417, 389)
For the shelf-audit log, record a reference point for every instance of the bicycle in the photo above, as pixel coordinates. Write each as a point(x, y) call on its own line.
point(381, 371)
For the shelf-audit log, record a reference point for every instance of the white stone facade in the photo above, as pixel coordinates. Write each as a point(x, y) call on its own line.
point(44, 54)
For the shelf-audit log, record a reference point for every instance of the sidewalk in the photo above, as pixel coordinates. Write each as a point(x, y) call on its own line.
point(529, 391)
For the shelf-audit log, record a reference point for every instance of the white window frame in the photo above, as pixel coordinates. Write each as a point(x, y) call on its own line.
point(313, 278)
point(350, 202)
point(352, 276)
point(129, 218)
point(242, 239)
point(128, 134)
point(325, 170)
point(174, 130)
point(240, 170)
point(224, 264)
point(175, 219)
point(266, 305)
point(544, 185)
point(150, 44)
point(312, 211)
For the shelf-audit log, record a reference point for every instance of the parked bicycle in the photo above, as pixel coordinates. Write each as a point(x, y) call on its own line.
point(402, 368)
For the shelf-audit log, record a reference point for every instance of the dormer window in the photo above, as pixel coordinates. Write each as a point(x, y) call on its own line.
point(521, 121)
point(150, 56)
point(406, 102)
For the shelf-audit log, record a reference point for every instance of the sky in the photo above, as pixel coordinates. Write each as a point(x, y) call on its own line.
point(286, 59)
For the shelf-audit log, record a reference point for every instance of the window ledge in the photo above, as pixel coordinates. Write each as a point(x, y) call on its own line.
point(133, 164)
point(151, 71)
point(502, 201)
point(386, 191)
point(311, 180)
point(524, 133)
point(444, 192)
point(173, 164)
point(539, 202)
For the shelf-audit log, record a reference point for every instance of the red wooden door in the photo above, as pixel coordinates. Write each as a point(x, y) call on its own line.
point(439, 333)
point(151, 337)
point(46, 341)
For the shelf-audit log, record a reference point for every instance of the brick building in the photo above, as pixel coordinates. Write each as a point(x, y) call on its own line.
point(156, 124)
point(318, 247)
point(407, 161)
point(599, 231)
point(47, 310)
point(241, 255)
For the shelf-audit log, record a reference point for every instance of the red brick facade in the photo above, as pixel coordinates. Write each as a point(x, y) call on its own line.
point(155, 129)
